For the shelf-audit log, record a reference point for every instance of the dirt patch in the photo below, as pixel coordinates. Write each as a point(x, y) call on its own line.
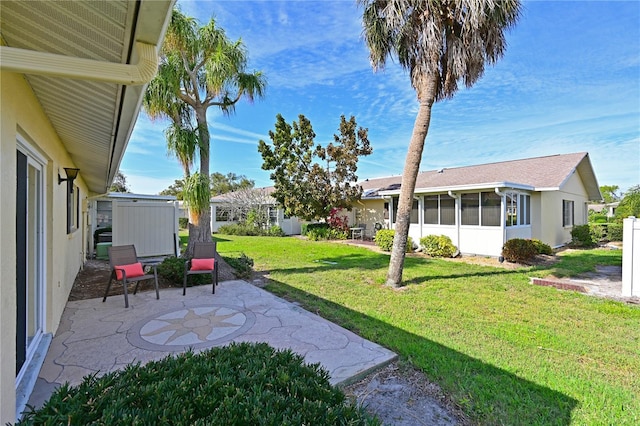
point(91, 281)
point(400, 395)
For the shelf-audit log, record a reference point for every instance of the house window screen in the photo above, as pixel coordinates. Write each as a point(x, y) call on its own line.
point(414, 212)
point(470, 211)
point(222, 214)
point(447, 210)
point(512, 209)
point(431, 209)
point(525, 210)
point(567, 213)
point(491, 203)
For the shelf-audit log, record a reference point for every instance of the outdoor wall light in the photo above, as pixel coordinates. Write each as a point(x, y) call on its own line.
point(72, 174)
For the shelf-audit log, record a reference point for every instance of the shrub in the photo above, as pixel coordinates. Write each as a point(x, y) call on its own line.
point(306, 227)
point(614, 232)
point(438, 246)
point(542, 248)
point(240, 229)
point(338, 222)
point(276, 231)
point(598, 231)
point(581, 236)
point(384, 239)
point(172, 269)
point(598, 218)
point(183, 222)
point(243, 265)
point(243, 383)
point(519, 250)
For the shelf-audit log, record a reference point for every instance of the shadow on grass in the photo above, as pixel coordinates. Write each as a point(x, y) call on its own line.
point(487, 394)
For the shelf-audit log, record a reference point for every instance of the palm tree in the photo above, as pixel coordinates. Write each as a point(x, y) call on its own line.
point(440, 42)
point(200, 67)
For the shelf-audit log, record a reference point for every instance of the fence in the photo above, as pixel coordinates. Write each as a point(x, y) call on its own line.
point(631, 257)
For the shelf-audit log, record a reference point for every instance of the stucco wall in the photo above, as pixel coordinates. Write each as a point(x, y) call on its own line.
point(22, 116)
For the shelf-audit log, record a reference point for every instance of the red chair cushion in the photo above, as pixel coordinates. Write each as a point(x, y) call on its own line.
point(202, 264)
point(132, 271)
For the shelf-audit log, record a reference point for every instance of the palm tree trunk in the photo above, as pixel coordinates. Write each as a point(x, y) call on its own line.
point(426, 97)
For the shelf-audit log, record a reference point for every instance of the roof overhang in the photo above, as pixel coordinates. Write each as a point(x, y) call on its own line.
point(72, 54)
point(503, 186)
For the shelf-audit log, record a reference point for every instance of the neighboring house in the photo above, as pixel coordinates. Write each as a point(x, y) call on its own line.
point(72, 77)
point(230, 208)
point(481, 207)
point(150, 222)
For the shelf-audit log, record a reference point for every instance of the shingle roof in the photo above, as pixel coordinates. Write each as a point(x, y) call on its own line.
point(539, 173)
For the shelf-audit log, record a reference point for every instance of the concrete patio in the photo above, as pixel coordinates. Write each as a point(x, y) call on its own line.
point(96, 337)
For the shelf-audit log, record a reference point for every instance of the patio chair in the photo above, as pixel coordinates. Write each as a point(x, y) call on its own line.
point(203, 262)
point(126, 268)
point(359, 231)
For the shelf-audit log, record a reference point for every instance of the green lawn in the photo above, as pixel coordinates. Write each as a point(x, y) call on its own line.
point(507, 352)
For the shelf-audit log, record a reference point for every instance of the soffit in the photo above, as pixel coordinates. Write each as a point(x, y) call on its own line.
point(93, 119)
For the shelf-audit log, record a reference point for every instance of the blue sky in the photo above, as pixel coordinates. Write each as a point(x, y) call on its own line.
point(569, 82)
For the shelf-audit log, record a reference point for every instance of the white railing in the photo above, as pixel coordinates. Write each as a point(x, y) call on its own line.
point(631, 257)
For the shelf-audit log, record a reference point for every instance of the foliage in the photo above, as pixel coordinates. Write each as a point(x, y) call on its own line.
point(598, 231)
point(614, 231)
point(338, 222)
point(196, 193)
point(629, 205)
point(310, 179)
point(384, 239)
point(542, 248)
point(610, 193)
point(176, 189)
point(598, 218)
point(243, 383)
point(276, 231)
point(581, 236)
point(249, 205)
point(502, 350)
point(243, 265)
point(326, 233)
point(119, 183)
point(519, 250)
point(438, 246)
point(306, 227)
point(223, 184)
point(172, 269)
point(247, 229)
point(183, 222)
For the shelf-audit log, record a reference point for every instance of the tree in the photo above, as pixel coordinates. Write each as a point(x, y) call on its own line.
point(310, 179)
point(629, 205)
point(174, 189)
point(222, 184)
point(200, 67)
point(119, 183)
point(609, 193)
point(440, 43)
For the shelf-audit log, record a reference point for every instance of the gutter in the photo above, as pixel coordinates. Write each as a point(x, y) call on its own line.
point(43, 63)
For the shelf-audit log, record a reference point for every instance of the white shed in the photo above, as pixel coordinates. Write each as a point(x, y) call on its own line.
point(150, 222)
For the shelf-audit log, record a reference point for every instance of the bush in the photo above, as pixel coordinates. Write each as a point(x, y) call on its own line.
point(438, 246)
point(243, 383)
point(598, 232)
point(384, 240)
point(581, 236)
point(542, 248)
point(239, 229)
point(614, 232)
point(598, 218)
point(307, 227)
point(243, 265)
point(276, 231)
point(519, 250)
point(172, 269)
point(183, 222)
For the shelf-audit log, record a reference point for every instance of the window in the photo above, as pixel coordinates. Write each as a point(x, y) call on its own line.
point(567, 213)
point(491, 208)
point(222, 214)
point(273, 215)
point(395, 201)
point(414, 212)
point(431, 207)
point(518, 209)
point(439, 209)
point(73, 207)
point(470, 212)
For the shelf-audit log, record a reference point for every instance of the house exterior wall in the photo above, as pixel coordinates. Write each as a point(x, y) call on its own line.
point(553, 232)
point(63, 254)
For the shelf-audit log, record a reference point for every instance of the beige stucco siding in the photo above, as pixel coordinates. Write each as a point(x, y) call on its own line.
point(553, 233)
point(22, 117)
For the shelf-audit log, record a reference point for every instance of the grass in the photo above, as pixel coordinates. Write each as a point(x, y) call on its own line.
point(507, 352)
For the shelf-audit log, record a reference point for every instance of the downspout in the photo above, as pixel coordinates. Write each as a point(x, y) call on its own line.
point(503, 217)
point(457, 198)
point(42, 63)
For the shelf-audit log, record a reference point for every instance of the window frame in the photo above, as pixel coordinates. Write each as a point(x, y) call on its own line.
point(568, 213)
point(73, 207)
